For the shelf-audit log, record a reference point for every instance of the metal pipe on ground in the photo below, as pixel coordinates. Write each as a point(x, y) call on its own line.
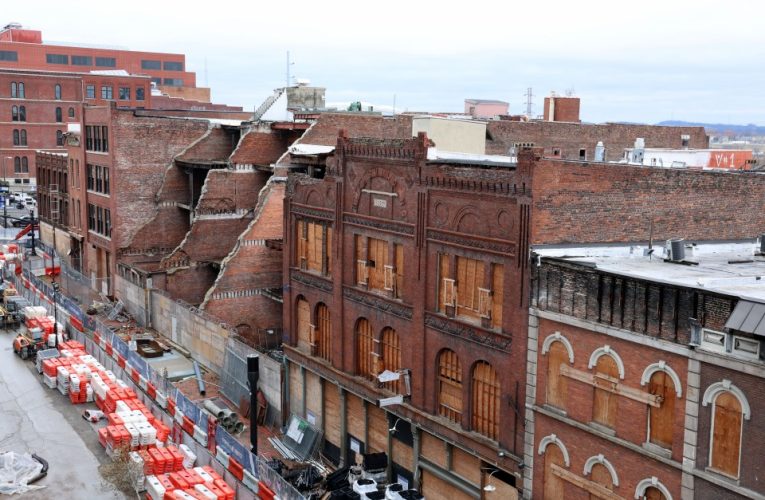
point(200, 380)
point(214, 409)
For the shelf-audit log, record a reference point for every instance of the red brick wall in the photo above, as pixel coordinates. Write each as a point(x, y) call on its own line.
point(326, 129)
point(604, 203)
point(215, 146)
point(569, 138)
point(752, 466)
point(229, 190)
point(143, 153)
point(631, 467)
point(261, 148)
point(566, 109)
point(191, 284)
point(252, 266)
point(636, 358)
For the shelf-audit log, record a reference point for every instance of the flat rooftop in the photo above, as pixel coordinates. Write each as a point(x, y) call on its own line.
point(729, 268)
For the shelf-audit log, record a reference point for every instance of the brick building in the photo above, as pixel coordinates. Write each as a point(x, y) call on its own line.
point(577, 141)
point(22, 48)
point(674, 345)
point(375, 254)
point(617, 330)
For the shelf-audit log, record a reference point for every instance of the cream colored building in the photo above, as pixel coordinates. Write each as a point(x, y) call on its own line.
point(453, 135)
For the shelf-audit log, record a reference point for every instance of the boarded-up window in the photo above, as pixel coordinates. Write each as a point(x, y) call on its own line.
point(324, 332)
point(313, 247)
point(469, 281)
point(605, 402)
point(449, 386)
point(661, 419)
point(726, 434)
point(304, 325)
point(485, 407)
point(444, 296)
point(362, 275)
point(328, 250)
point(365, 352)
point(391, 356)
point(377, 252)
point(554, 486)
point(557, 385)
point(600, 475)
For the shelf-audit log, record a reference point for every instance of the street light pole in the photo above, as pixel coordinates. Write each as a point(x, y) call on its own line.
point(5, 196)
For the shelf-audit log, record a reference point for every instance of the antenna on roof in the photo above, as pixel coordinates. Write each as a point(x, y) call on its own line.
point(570, 92)
point(529, 95)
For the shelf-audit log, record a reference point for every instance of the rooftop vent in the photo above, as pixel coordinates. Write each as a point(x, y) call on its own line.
point(676, 248)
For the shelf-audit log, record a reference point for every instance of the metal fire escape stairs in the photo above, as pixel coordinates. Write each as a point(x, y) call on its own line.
point(267, 104)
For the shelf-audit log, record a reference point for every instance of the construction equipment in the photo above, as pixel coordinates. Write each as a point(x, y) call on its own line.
point(26, 345)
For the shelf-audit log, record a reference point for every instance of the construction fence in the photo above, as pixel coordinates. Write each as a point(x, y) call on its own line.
point(213, 445)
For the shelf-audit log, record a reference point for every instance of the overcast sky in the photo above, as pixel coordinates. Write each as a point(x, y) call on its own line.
point(628, 61)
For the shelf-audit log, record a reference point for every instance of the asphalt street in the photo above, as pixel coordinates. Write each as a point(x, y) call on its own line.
point(39, 420)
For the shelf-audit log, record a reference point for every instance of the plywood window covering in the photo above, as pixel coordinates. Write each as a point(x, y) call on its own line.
point(449, 386)
point(554, 486)
point(328, 251)
point(302, 245)
point(469, 280)
point(557, 384)
point(315, 247)
point(390, 278)
point(484, 302)
point(361, 261)
point(304, 324)
point(600, 475)
point(365, 350)
point(312, 254)
point(498, 290)
point(485, 408)
point(726, 434)
point(605, 403)
point(449, 294)
point(661, 420)
point(377, 252)
point(399, 271)
point(443, 273)
point(324, 331)
point(391, 356)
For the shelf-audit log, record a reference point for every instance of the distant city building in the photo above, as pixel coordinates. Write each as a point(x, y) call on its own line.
point(561, 109)
point(486, 108)
point(729, 159)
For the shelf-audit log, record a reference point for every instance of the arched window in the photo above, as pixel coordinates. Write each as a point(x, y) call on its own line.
point(59, 115)
point(14, 113)
point(725, 452)
point(16, 137)
point(14, 90)
point(24, 165)
point(22, 113)
point(71, 112)
point(449, 386)
point(485, 400)
point(605, 401)
point(17, 165)
point(391, 356)
point(661, 420)
point(324, 331)
point(57, 91)
point(303, 325)
point(556, 457)
point(652, 489)
point(23, 137)
point(21, 90)
point(557, 384)
point(59, 138)
point(365, 349)
point(601, 476)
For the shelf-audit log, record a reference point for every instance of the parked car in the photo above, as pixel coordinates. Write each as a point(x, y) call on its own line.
point(20, 205)
point(30, 202)
point(22, 222)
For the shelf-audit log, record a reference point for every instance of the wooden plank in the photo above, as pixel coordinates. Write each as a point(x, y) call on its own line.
point(304, 325)
point(466, 465)
point(355, 408)
point(498, 289)
point(662, 419)
point(296, 389)
point(313, 396)
point(591, 487)
point(332, 414)
point(378, 429)
point(399, 285)
point(557, 385)
point(435, 488)
point(433, 449)
point(605, 401)
point(726, 434)
point(402, 455)
point(610, 384)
